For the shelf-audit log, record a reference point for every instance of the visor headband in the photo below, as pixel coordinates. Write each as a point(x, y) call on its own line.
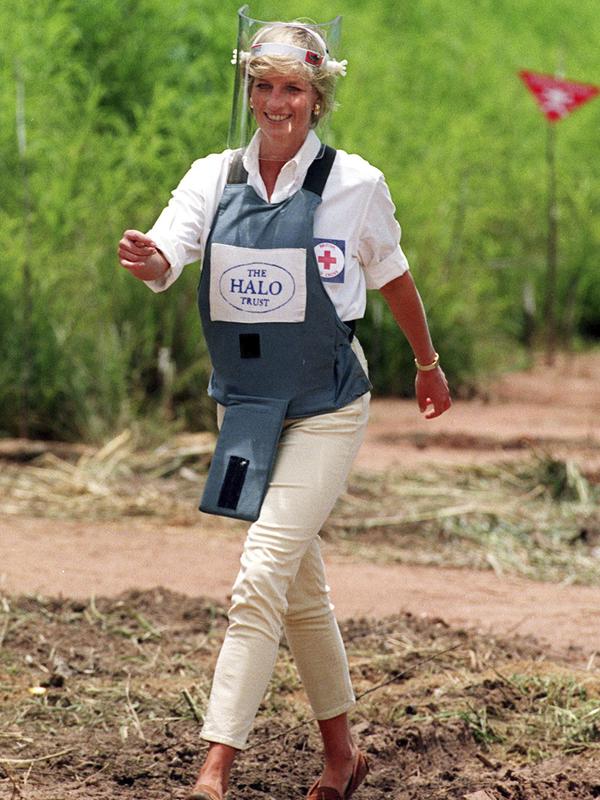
point(315, 34)
point(310, 57)
point(298, 53)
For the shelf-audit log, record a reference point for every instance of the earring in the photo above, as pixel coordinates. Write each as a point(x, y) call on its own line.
point(317, 109)
point(251, 105)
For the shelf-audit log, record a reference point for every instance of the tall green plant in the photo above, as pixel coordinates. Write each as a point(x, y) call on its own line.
point(113, 122)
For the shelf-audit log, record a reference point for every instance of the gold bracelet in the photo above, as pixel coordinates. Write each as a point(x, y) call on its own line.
point(428, 367)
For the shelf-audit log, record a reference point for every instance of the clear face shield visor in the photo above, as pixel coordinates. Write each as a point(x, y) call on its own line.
point(259, 39)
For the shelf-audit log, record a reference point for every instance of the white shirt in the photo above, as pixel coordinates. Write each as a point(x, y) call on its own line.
point(356, 216)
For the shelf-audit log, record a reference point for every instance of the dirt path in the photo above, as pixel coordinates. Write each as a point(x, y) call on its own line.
point(78, 559)
point(556, 409)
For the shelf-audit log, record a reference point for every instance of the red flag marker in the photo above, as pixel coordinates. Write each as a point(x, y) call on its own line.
point(557, 98)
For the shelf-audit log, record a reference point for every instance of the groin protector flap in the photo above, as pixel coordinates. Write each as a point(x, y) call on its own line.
point(243, 460)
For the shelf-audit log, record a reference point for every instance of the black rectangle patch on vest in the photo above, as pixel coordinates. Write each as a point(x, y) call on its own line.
point(250, 345)
point(231, 489)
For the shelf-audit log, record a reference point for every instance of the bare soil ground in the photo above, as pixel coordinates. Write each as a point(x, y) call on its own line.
point(103, 699)
point(503, 489)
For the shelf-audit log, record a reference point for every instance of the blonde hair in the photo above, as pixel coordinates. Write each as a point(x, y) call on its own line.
point(299, 36)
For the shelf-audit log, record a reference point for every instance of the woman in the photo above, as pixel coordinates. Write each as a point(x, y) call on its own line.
point(354, 245)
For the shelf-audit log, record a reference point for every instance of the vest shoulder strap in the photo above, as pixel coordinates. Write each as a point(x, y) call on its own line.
point(319, 170)
point(237, 172)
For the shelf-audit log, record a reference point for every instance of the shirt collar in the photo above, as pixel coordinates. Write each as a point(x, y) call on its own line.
point(301, 160)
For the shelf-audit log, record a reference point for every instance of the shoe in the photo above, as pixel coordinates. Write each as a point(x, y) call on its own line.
point(359, 773)
point(204, 793)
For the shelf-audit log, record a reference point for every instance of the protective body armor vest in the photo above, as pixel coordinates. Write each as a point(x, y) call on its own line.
point(277, 346)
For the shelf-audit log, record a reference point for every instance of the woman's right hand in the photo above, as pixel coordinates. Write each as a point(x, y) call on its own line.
point(139, 254)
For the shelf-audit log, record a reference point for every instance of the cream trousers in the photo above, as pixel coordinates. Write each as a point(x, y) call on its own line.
point(281, 583)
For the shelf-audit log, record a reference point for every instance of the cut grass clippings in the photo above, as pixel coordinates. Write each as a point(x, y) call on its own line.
point(536, 517)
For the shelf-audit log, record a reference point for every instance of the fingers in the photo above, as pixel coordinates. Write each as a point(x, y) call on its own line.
point(137, 243)
point(139, 238)
point(433, 394)
point(137, 254)
point(127, 246)
point(438, 408)
point(132, 265)
point(135, 247)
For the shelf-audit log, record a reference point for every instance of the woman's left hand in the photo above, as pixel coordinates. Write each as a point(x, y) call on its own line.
point(432, 392)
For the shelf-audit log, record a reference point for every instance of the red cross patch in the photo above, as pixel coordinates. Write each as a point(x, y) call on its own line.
point(331, 259)
point(312, 58)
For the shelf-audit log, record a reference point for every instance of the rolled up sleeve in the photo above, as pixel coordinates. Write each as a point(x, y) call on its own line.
point(181, 230)
point(380, 254)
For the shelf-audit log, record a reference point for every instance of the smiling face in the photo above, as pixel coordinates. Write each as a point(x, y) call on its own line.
point(283, 107)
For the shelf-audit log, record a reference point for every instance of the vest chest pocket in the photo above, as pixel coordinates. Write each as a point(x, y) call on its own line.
point(250, 285)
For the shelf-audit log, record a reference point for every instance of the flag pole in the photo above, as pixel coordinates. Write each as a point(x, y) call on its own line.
point(552, 248)
point(557, 98)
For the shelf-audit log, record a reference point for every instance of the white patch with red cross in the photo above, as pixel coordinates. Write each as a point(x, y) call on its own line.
point(330, 259)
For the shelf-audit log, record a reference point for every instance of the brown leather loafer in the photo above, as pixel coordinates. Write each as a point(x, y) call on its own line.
point(204, 793)
point(359, 773)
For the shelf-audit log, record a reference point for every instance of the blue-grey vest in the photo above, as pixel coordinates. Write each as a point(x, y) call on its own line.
point(277, 346)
